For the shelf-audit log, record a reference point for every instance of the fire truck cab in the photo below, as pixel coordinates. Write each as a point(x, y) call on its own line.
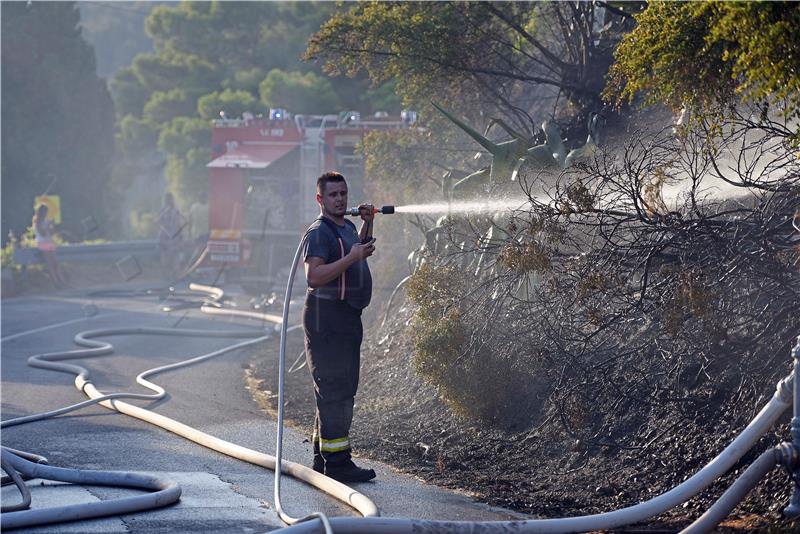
point(263, 182)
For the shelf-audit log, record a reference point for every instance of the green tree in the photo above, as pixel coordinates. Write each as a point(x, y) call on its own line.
point(135, 135)
point(245, 80)
point(706, 55)
point(233, 103)
point(479, 55)
point(163, 106)
point(130, 93)
point(298, 92)
point(187, 144)
point(57, 117)
point(165, 71)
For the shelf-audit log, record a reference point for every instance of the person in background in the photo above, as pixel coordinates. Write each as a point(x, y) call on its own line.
point(45, 232)
point(170, 226)
point(198, 218)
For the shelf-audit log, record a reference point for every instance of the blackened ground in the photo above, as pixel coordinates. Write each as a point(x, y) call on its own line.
point(541, 471)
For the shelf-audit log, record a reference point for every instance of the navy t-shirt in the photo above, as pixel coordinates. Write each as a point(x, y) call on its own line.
point(323, 243)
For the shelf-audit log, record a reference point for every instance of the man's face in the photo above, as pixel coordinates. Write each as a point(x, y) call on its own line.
point(333, 199)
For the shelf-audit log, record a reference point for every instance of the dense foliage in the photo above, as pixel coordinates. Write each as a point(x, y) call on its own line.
point(57, 118)
point(705, 55)
point(513, 57)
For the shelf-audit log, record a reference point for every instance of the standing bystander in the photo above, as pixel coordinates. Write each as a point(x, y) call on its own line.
point(45, 232)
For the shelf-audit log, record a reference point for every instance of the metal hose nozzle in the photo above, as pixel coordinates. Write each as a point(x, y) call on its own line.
point(386, 210)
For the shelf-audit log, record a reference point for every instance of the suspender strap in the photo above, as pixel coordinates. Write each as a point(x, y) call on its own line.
point(335, 229)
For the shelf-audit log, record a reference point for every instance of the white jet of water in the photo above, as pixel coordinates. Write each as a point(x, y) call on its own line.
point(477, 206)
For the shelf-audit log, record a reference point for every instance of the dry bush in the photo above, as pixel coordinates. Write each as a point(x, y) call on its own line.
point(669, 286)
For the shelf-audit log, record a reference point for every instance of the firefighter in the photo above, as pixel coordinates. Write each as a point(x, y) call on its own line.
point(340, 287)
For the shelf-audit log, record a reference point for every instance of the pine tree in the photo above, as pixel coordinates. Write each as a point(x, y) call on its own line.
point(57, 117)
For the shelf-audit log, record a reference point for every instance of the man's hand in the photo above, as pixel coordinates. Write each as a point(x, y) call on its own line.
point(367, 212)
point(362, 251)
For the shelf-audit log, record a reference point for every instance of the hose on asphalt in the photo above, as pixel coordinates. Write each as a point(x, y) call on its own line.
point(163, 493)
point(20, 484)
point(284, 516)
point(99, 348)
point(54, 361)
point(7, 479)
point(35, 458)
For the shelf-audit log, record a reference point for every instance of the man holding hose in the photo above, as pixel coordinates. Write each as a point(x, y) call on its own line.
point(339, 288)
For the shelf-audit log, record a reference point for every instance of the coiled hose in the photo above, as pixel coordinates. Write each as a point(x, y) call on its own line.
point(54, 361)
point(164, 492)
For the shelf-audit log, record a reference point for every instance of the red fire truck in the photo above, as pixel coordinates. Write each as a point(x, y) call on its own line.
point(263, 180)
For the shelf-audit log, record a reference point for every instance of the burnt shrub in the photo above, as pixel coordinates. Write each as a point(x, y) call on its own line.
point(473, 377)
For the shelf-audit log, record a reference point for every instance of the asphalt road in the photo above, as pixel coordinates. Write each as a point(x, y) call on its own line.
point(220, 494)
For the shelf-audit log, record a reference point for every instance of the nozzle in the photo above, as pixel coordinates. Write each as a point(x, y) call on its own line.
point(386, 210)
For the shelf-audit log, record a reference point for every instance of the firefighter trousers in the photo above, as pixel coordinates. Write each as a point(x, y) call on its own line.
point(333, 334)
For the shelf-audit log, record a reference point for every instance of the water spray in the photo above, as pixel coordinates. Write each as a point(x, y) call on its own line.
point(466, 207)
point(476, 206)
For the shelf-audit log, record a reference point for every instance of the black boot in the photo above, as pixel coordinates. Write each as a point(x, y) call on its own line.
point(319, 461)
point(349, 472)
point(319, 464)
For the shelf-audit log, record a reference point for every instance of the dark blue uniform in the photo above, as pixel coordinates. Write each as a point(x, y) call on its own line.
point(333, 334)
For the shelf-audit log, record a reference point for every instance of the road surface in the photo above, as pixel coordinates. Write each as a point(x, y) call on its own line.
point(220, 494)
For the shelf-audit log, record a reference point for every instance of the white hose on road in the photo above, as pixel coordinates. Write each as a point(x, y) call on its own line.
point(54, 361)
point(164, 492)
point(99, 348)
point(211, 310)
point(216, 293)
point(284, 320)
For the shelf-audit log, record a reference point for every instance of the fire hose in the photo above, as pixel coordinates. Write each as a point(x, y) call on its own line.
point(53, 361)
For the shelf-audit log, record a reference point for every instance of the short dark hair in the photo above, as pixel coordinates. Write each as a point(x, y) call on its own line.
point(330, 176)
